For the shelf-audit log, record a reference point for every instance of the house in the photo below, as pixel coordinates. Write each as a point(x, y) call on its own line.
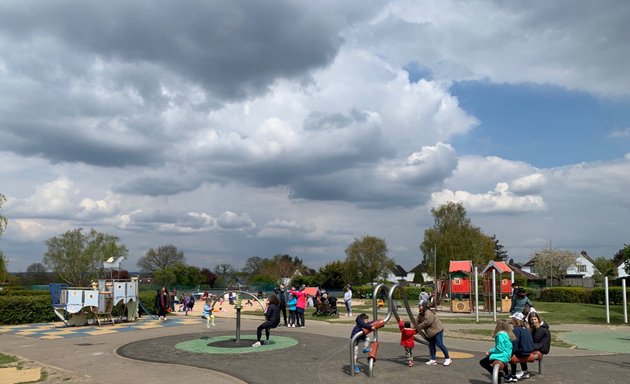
point(396, 274)
point(584, 266)
point(620, 267)
point(422, 269)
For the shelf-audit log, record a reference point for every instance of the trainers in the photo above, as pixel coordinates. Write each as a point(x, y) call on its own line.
point(431, 362)
point(256, 344)
point(522, 375)
point(357, 369)
point(410, 363)
point(511, 379)
point(448, 362)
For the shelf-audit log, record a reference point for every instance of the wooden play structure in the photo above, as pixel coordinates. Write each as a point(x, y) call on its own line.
point(460, 287)
point(502, 288)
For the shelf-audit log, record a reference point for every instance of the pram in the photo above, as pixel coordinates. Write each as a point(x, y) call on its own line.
point(328, 307)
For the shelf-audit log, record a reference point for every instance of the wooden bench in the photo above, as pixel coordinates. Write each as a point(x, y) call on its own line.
point(499, 365)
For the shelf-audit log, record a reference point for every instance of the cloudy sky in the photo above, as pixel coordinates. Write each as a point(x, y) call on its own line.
point(233, 129)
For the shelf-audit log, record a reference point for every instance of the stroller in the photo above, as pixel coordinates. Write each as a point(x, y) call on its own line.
point(327, 307)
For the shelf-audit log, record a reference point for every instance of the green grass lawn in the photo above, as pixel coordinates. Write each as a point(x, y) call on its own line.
point(569, 313)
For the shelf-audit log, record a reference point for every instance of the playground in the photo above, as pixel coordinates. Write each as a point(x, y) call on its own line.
point(185, 348)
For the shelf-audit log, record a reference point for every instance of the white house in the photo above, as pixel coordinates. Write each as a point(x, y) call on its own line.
point(584, 266)
point(621, 272)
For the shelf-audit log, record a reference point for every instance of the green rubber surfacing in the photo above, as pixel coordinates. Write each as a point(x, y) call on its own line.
point(201, 345)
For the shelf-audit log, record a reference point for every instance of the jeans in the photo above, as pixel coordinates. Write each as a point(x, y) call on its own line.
point(437, 340)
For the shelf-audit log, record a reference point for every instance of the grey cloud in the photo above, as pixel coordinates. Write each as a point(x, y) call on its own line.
point(319, 120)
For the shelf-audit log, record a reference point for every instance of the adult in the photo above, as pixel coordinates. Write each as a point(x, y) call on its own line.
point(173, 299)
point(282, 295)
point(162, 303)
point(541, 337)
point(519, 301)
point(272, 319)
point(424, 296)
point(300, 306)
point(347, 299)
point(432, 326)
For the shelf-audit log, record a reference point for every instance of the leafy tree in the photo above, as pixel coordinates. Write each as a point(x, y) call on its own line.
point(209, 277)
point(77, 257)
point(623, 255)
point(332, 275)
point(553, 263)
point(253, 265)
point(366, 260)
point(603, 267)
point(161, 258)
point(185, 274)
point(36, 273)
point(454, 237)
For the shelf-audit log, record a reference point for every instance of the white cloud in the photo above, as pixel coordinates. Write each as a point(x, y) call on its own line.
point(622, 133)
point(501, 200)
point(530, 184)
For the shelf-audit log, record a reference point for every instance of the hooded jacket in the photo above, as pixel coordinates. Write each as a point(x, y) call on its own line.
point(502, 349)
point(406, 337)
point(430, 323)
point(542, 338)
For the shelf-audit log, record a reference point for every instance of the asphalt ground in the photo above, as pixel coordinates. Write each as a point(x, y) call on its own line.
point(154, 351)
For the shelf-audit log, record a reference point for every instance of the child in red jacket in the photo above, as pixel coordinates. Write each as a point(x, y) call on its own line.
point(407, 341)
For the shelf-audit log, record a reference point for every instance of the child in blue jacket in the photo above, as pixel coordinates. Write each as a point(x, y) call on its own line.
point(502, 350)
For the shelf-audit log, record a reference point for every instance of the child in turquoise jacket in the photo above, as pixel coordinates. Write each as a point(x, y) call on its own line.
point(502, 350)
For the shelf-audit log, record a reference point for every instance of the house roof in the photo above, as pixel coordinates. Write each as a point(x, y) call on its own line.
point(587, 257)
point(527, 275)
point(499, 266)
point(399, 271)
point(419, 268)
point(460, 266)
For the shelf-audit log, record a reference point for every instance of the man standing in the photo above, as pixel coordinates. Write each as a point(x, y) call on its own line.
point(282, 295)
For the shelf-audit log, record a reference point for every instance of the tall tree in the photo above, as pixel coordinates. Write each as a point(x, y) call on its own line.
point(367, 261)
point(500, 254)
point(161, 258)
point(553, 263)
point(77, 257)
point(209, 277)
point(224, 273)
point(454, 237)
point(253, 265)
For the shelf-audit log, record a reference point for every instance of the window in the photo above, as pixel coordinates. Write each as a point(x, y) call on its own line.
point(581, 268)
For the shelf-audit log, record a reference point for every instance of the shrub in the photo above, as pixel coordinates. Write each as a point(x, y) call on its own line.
point(615, 295)
point(21, 309)
point(566, 295)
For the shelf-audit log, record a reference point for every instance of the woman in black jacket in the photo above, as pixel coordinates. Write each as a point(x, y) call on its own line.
point(272, 319)
point(541, 337)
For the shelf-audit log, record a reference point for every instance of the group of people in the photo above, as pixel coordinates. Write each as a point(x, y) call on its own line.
point(523, 334)
point(427, 322)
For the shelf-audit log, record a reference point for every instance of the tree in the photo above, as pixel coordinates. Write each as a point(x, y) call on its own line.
point(553, 263)
point(500, 254)
point(623, 255)
point(366, 260)
point(161, 258)
point(77, 257)
point(454, 237)
point(253, 265)
point(224, 273)
point(209, 277)
point(603, 267)
point(332, 275)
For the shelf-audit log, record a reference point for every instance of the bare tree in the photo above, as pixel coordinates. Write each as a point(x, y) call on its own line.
point(553, 263)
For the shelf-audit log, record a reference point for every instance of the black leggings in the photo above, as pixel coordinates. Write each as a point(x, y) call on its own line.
point(300, 317)
point(486, 363)
point(267, 325)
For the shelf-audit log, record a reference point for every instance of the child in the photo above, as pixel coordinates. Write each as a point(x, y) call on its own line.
point(522, 346)
point(407, 341)
point(361, 322)
point(502, 350)
point(292, 305)
point(207, 313)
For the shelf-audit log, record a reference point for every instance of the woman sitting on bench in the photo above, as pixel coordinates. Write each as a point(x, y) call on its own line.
point(541, 337)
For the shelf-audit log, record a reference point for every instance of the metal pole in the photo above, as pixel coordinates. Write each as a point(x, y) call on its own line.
point(607, 303)
point(476, 296)
point(625, 301)
point(494, 294)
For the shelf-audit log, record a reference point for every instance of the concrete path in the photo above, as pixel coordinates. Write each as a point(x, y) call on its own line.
point(320, 354)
